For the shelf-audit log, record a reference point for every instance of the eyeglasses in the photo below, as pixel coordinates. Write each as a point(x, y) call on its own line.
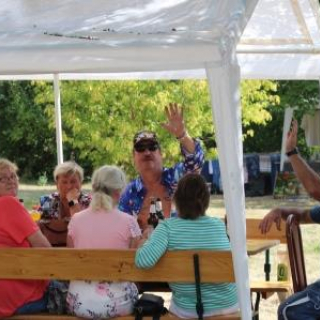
point(143, 147)
point(13, 177)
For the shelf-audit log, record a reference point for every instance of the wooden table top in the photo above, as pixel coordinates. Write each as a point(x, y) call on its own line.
point(255, 246)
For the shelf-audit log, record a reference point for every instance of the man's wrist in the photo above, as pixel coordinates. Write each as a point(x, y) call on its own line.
point(182, 136)
point(292, 152)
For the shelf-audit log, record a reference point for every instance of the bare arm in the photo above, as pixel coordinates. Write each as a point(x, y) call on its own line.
point(70, 243)
point(37, 239)
point(134, 243)
point(306, 175)
point(278, 214)
point(176, 127)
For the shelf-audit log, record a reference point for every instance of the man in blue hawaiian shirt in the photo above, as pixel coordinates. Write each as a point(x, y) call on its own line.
point(156, 181)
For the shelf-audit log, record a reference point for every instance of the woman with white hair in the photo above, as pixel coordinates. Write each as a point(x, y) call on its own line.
point(57, 208)
point(102, 225)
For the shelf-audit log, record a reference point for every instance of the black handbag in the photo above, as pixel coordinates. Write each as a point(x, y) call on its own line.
point(149, 305)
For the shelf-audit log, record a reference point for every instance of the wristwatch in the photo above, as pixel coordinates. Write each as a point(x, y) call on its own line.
point(73, 203)
point(292, 152)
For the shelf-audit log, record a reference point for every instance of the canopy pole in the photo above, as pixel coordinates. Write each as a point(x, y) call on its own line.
point(288, 115)
point(224, 84)
point(57, 107)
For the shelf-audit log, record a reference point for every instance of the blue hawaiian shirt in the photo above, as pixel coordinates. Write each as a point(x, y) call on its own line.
point(132, 199)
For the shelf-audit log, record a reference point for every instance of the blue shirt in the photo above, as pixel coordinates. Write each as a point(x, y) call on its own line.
point(315, 214)
point(132, 199)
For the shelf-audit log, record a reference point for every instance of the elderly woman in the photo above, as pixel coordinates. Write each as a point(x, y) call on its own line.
point(102, 225)
point(58, 207)
point(17, 229)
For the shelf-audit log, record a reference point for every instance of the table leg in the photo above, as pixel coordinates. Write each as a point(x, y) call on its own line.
point(256, 306)
point(267, 265)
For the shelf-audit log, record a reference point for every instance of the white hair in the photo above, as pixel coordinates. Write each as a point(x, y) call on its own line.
point(106, 180)
point(68, 168)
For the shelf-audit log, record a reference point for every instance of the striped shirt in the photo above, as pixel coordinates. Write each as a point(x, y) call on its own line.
point(182, 234)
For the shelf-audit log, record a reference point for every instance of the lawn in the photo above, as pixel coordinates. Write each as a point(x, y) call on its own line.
point(255, 207)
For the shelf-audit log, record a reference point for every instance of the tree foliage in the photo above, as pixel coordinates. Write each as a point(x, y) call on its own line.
point(303, 96)
point(25, 137)
point(100, 117)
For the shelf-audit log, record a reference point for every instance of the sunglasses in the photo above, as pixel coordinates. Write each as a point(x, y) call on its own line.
point(144, 147)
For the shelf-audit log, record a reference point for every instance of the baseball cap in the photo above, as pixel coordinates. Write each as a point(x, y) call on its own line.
point(145, 135)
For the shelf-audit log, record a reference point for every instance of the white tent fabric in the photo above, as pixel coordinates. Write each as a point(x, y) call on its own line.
point(155, 38)
point(148, 39)
point(224, 87)
point(112, 36)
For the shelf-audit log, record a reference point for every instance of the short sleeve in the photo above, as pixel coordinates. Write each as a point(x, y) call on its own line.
point(16, 220)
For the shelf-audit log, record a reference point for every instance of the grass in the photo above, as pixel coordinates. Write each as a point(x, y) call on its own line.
point(255, 207)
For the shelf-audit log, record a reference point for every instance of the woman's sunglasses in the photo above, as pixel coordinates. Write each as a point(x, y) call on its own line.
point(143, 147)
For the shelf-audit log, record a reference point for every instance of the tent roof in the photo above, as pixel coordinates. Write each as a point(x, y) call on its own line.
point(157, 38)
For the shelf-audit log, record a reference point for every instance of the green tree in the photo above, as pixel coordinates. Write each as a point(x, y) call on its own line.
point(24, 134)
point(101, 117)
point(301, 95)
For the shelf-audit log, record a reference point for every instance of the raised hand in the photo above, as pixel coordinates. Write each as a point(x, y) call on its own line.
point(73, 194)
point(175, 122)
point(292, 135)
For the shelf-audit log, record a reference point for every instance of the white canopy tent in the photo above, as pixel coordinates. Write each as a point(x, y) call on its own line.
point(157, 39)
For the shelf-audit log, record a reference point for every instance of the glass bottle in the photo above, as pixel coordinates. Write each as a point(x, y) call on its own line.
point(159, 211)
point(153, 219)
point(283, 265)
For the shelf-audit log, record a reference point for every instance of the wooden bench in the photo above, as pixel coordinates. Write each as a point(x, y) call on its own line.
point(265, 288)
point(113, 265)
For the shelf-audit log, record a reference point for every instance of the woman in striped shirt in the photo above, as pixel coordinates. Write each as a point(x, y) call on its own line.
point(191, 230)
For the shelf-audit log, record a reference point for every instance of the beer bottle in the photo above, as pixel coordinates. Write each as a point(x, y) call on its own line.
point(283, 265)
point(283, 270)
point(159, 211)
point(153, 220)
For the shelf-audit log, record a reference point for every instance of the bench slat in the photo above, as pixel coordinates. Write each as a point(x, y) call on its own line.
point(253, 231)
point(113, 265)
point(271, 286)
point(233, 316)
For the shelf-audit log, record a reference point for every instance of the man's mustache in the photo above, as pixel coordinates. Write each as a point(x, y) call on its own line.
point(147, 157)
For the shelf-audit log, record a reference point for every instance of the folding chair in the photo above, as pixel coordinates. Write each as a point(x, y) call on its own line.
point(296, 256)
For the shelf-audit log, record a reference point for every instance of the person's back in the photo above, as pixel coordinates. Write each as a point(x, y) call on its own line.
point(192, 230)
point(203, 233)
point(110, 229)
point(103, 226)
